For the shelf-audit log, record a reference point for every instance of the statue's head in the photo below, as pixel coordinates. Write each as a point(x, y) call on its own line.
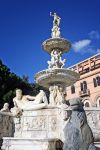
point(42, 93)
point(76, 103)
point(55, 52)
point(60, 89)
point(51, 88)
point(19, 94)
point(6, 105)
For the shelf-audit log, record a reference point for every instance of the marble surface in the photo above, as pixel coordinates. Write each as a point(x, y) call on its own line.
point(29, 143)
point(43, 124)
point(60, 76)
point(56, 43)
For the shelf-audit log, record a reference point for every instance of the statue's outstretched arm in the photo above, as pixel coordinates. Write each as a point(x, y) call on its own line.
point(30, 97)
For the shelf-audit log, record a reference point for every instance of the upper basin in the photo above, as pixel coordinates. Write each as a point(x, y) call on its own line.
point(56, 43)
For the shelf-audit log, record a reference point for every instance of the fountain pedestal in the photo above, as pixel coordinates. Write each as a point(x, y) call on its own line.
point(38, 130)
point(40, 124)
point(28, 144)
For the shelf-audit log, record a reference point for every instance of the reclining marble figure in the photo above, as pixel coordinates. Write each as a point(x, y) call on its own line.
point(27, 102)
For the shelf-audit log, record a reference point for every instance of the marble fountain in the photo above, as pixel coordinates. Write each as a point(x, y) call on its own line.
point(40, 125)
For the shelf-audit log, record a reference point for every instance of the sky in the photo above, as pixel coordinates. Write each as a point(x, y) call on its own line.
point(25, 24)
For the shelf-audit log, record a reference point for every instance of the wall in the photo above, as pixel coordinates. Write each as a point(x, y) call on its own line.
point(88, 69)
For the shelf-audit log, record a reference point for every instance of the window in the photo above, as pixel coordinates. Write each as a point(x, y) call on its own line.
point(83, 86)
point(72, 89)
point(96, 81)
point(98, 102)
point(87, 103)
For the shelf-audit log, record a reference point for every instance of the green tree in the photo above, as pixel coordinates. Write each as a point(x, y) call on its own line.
point(9, 82)
point(25, 78)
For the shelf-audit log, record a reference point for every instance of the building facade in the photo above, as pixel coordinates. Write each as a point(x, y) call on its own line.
point(88, 86)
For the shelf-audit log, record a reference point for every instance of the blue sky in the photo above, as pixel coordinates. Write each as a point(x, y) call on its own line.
point(25, 24)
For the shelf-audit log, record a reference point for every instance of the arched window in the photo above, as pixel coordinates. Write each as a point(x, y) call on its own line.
point(96, 81)
point(83, 86)
point(98, 102)
point(87, 103)
point(72, 89)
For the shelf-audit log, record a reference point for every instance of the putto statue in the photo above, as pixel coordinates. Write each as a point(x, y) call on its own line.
point(27, 102)
point(56, 60)
point(56, 23)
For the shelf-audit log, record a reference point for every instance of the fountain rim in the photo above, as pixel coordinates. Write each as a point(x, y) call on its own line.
point(64, 45)
point(54, 69)
point(56, 76)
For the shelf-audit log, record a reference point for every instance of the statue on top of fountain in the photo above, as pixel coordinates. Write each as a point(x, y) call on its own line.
point(56, 60)
point(56, 23)
point(27, 102)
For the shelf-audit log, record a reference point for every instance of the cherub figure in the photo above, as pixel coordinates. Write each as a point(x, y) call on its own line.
point(56, 61)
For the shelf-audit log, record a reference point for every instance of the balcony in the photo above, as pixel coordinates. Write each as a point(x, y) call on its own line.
point(87, 65)
point(85, 92)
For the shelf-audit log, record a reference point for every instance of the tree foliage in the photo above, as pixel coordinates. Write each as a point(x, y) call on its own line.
point(9, 82)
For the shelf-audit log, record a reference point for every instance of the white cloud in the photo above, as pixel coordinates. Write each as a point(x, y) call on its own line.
point(98, 50)
point(94, 35)
point(81, 45)
point(86, 45)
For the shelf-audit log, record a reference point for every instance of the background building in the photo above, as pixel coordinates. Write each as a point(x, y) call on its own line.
point(88, 86)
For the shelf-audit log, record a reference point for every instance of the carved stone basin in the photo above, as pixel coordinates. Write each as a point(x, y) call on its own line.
point(56, 43)
point(60, 76)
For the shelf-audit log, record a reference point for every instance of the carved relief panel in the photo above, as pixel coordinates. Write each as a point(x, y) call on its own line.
point(35, 123)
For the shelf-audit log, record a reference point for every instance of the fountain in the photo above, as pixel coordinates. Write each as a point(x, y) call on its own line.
point(40, 125)
point(56, 77)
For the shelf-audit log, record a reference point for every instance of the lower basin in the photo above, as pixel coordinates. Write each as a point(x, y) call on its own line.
point(58, 76)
